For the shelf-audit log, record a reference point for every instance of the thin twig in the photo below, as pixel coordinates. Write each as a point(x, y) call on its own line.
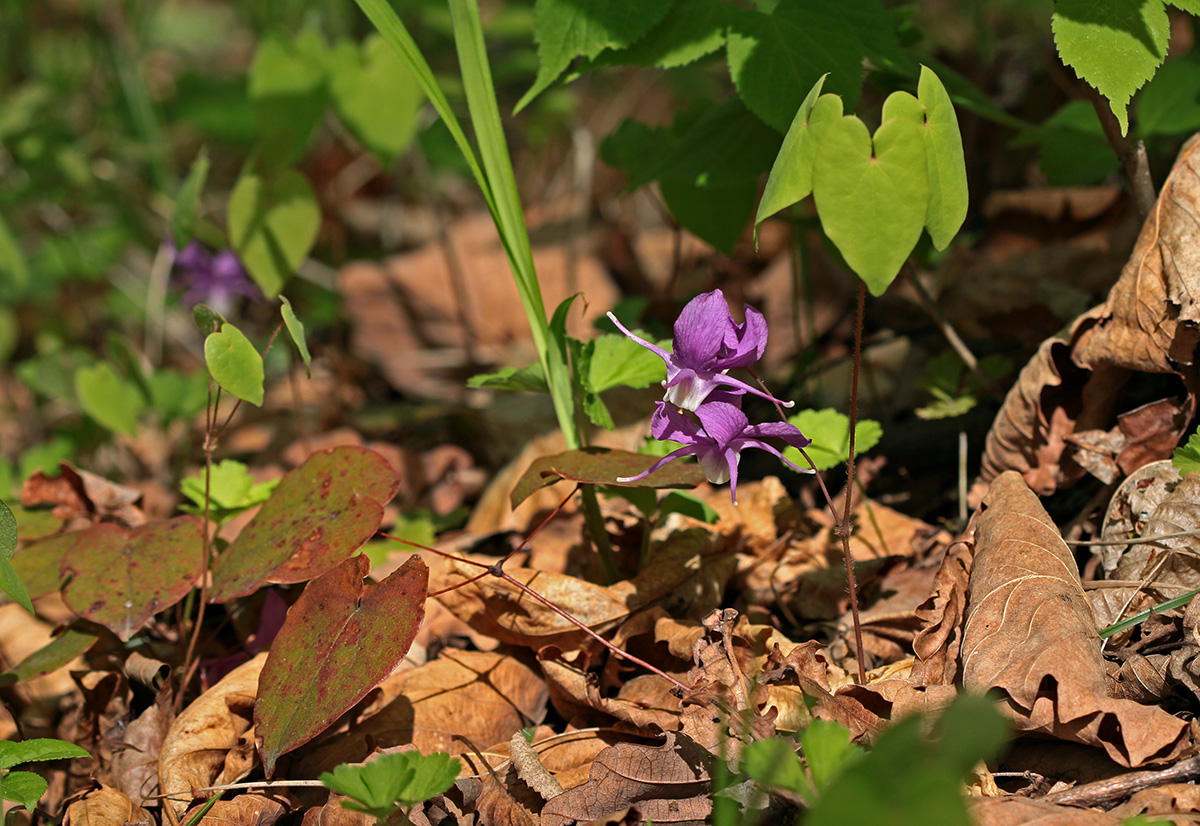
point(1141, 540)
point(1118, 788)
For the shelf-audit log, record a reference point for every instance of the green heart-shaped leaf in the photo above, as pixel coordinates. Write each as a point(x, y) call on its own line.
point(109, 399)
point(235, 364)
point(273, 225)
point(947, 168)
point(871, 195)
point(359, 81)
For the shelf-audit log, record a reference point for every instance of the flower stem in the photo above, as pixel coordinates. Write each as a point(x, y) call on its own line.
point(843, 527)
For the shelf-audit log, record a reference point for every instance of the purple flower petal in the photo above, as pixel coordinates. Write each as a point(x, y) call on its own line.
point(744, 343)
point(780, 430)
point(669, 424)
point(700, 330)
point(689, 450)
point(723, 422)
point(194, 257)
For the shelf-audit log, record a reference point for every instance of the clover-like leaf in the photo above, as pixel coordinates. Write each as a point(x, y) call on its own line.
point(235, 364)
point(339, 641)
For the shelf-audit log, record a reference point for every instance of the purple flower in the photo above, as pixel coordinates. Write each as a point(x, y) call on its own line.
point(709, 343)
point(717, 440)
point(211, 279)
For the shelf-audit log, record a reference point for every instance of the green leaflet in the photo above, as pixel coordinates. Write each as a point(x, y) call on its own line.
point(273, 225)
point(235, 364)
point(945, 164)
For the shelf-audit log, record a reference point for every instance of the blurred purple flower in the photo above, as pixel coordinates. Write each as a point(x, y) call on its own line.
point(708, 343)
point(717, 440)
point(210, 279)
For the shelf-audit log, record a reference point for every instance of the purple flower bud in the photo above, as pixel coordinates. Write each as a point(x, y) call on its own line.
point(717, 440)
point(709, 343)
point(213, 280)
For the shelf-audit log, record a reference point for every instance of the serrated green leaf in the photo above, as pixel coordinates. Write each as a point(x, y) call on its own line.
point(597, 411)
point(1170, 103)
point(1190, 6)
point(830, 434)
point(295, 329)
point(790, 180)
point(235, 364)
point(693, 29)
point(24, 788)
point(109, 399)
point(714, 214)
point(944, 161)
point(871, 194)
point(1186, 459)
point(230, 487)
point(272, 226)
point(531, 379)
point(1072, 149)
point(360, 81)
point(37, 750)
point(776, 58)
point(1114, 45)
point(567, 29)
point(725, 145)
point(403, 779)
point(617, 361)
point(183, 223)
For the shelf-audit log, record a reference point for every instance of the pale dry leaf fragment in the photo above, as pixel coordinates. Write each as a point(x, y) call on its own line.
point(106, 806)
point(211, 741)
point(668, 783)
point(1018, 811)
point(1030, 634)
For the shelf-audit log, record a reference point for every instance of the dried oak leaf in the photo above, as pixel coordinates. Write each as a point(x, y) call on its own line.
point(1018, 811)
point(106, 806)
point(668, 783)
point(248, 810)
point(75, 492)
point(212, 741)
point(1030, 634)
point(1149, 323)
point(938, 642)
point(135, 758)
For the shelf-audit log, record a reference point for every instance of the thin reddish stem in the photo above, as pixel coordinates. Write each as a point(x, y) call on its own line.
point(844, 526)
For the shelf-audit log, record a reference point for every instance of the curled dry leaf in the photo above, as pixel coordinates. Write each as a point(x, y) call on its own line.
point(247, 810)
point(106, 806)
point(1014, 811)
point(211, 741)
point(668, 783)
point(1030, 634)
point(1149, 323)
point(75, 492)
point(135, 762)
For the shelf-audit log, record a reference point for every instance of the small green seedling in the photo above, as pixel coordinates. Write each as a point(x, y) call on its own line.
point(830, 434)
point(393, 782)
point(1186, 459)
point(26, 788)
point(231, 491)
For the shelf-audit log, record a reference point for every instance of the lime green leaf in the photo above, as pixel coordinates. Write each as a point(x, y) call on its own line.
point(828, 749)
point(872, 195)
point(774, 763)
point(183, 223)
point(109, 399)
point(1114, 45)
point(177, 395)
point(1170, 103)
point(531, 379)
point(287, 87)
point(790, 180)
point(10, 582)
point(295, 329)
point(37, 750)
point(776, 58)
point(13, 269)
point(24, 788)
point(1190, 6)
point(235, 364)
point(389, 780)
point(946, 166)
point(376, 96)
point(597, 411)
point(272, 225)
point(567, 29)
point(830, 434)
point(1186, 459)
point(231, 487)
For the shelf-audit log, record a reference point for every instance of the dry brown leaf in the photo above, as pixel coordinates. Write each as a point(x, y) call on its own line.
point(1173, 798)
point(1024, 811)
point(106, 806)
point(135, 759)
point(211, 741)
point(254, 809)
point(481, 696)
point(1030, 633)
point(668, 783)
point(1180, 561)
point(75, 492)
point(938, 643)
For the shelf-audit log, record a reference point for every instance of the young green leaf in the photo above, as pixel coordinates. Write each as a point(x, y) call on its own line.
point(183, 223)
point(231, 488)
point(235, 364)
point(531, 379)
point(774, 762)
point(10, 582)
point(24, 788)
point(60, 651)
point(404, 778)
point(830, 434)
point(1186, 459)
point(693, 29)
point(947, 168)
point(37, 750)
point(287, 87)
point(109, 399)
point(359, 81)
point(790, 180)
point(207, 319)
point(871, 194)
point(273, 225)
point(1115, 45)
point(13, 269)
point(828, 749)
point(295, 329)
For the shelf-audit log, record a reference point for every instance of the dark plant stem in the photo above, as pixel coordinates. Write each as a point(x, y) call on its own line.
point(843, 527)
point(590, 505)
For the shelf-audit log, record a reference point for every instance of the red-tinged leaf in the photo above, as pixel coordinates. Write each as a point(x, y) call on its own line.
point(319, 514)
point(38, 564)
point(602, 466)
point(339, 641)
point(121, 577)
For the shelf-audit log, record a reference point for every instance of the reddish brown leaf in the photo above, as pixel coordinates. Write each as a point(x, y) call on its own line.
point(120, 578)
point(1030, 633)
point(338, 642)
point(320, 514)
point(602, 466)
point(75, 492)
point(669, 784)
